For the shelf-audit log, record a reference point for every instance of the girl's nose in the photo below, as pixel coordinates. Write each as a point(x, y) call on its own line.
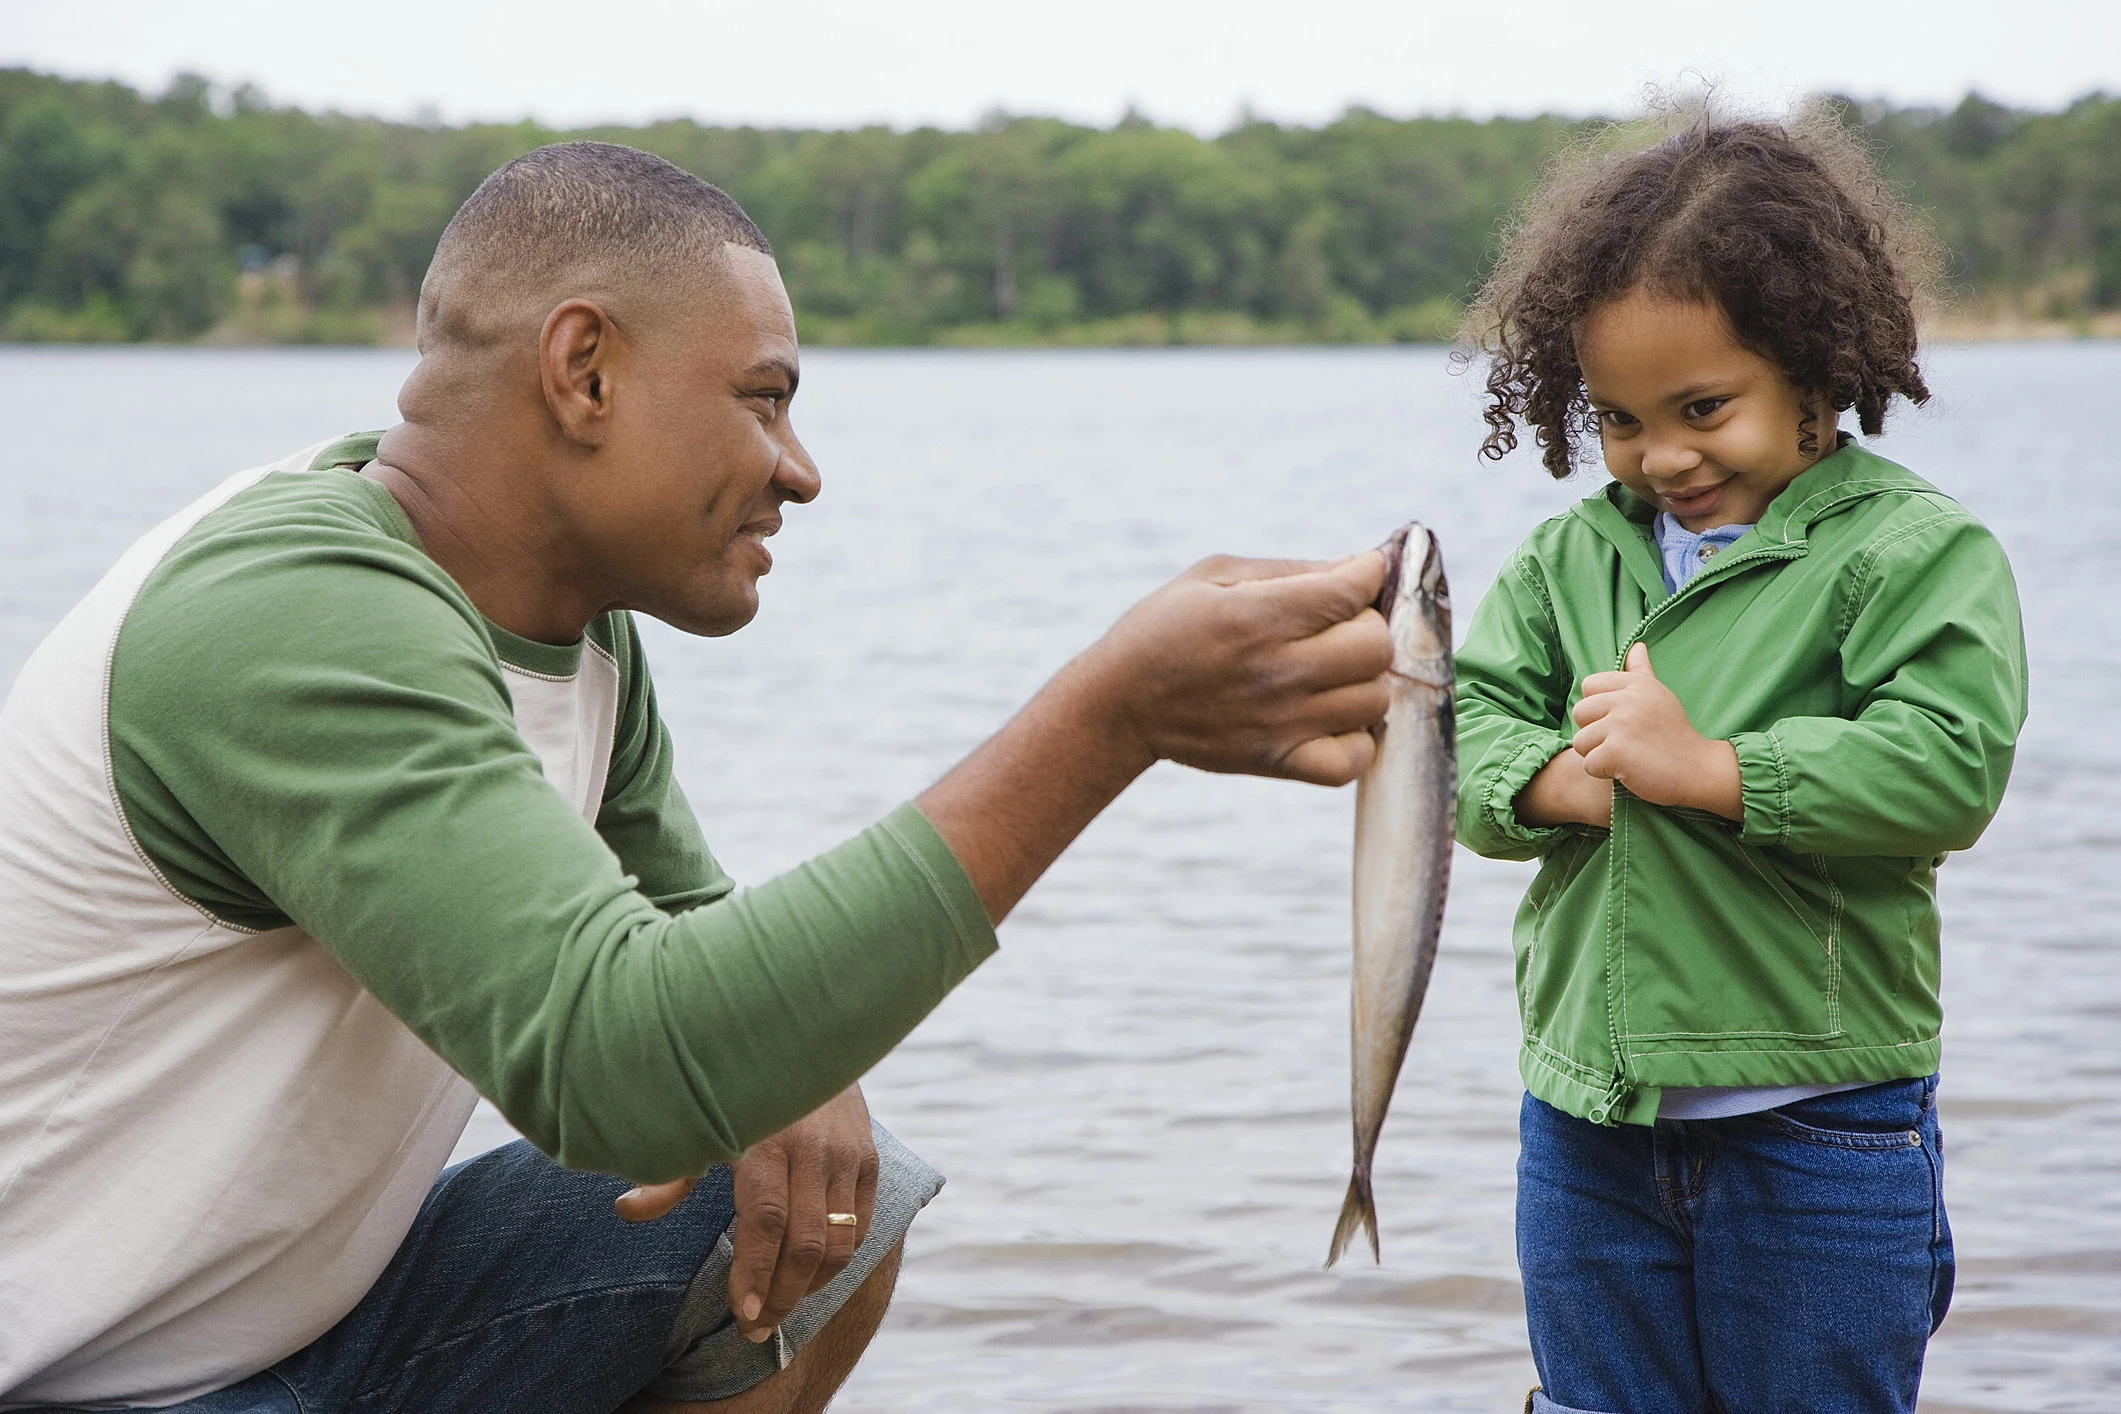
point(1669, 456)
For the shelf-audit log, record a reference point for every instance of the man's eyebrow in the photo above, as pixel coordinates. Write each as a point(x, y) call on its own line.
point(768, 368)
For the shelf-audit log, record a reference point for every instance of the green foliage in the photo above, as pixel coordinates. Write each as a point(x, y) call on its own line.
point(200, 213)
point(2028, 205)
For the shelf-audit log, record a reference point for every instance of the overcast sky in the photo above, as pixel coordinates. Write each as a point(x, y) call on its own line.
point(904, 62)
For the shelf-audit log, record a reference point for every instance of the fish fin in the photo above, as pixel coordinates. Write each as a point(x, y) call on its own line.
point(1358, 1210)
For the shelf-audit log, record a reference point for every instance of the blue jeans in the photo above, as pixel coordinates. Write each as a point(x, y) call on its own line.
point(519, 1289)
point(1793, 1260)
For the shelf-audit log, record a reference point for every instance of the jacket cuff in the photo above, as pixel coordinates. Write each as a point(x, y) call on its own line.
point(1498, 802)
point(1763, 787)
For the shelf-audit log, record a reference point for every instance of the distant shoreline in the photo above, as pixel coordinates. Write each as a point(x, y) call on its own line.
point(2106, 324)
point(392, 327)
point(2099, 329)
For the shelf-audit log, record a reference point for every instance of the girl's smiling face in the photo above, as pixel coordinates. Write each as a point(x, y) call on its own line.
point(1691, 420)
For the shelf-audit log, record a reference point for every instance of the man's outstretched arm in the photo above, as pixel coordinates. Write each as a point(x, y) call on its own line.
point(1258, 667)
point(349, 762)
point(1201, 672)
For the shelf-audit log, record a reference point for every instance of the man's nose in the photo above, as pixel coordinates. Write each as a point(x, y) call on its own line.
point(796, 476)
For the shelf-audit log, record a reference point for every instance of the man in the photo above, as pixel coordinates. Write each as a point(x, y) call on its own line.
point(344, 799)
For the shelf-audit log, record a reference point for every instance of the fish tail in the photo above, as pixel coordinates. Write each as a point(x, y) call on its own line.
point(1359, 1210)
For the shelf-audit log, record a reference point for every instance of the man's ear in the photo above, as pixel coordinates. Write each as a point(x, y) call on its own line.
point(576, 354)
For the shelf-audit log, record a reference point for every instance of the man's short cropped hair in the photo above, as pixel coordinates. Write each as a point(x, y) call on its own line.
point(577, 218)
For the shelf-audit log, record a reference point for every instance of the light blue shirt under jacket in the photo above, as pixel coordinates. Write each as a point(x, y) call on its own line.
point(1684, 552)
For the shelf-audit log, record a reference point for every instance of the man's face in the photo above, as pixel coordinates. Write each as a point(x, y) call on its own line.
point(702, 455)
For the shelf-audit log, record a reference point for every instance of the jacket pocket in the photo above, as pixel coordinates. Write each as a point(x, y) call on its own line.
point(1716, 939)
point(1558, 910)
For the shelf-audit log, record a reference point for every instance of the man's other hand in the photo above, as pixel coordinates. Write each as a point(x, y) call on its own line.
point(1265, 667)
point(786, 1186)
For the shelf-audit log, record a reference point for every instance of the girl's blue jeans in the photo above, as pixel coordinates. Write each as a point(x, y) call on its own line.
point(1792, 1260)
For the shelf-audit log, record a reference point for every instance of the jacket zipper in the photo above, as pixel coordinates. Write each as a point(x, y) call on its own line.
point(1713, 574)
point(1619, 1089)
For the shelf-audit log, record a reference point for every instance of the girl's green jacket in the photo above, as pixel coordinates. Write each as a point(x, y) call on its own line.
point(1861, 649)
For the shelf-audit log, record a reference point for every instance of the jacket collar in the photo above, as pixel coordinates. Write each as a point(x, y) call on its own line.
point(1844, 476)
point(1623, 519)
point(1850, 474)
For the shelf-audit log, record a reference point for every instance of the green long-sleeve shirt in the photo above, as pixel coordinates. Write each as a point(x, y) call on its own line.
point(311, 724)
point(293, 844)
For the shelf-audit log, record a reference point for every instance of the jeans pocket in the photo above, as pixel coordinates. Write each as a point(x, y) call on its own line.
point(1892, 1115)
point(1842, 1138)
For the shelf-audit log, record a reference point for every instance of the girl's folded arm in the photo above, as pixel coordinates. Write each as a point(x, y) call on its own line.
point(1934, 658)
point(1513, 688)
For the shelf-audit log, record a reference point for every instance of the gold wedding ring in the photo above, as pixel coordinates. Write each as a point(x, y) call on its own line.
point(840, 1220)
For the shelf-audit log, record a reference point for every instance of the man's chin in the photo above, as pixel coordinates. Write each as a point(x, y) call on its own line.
point(715, 617)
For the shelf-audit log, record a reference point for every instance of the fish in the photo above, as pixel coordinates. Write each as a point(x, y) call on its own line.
point(1405, 812)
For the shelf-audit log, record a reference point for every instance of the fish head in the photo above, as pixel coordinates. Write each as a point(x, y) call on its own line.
point(1395, 552)
point(1416, 600)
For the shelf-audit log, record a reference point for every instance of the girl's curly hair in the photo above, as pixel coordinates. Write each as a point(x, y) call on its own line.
point(1788, 227)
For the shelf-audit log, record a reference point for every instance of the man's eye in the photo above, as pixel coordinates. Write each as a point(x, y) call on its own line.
point(1704, 407)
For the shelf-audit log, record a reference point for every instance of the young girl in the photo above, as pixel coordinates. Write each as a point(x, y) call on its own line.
point(1739, 704)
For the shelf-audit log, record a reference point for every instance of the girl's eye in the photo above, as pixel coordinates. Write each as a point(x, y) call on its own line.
point(1703, 407)
point(1614, 417)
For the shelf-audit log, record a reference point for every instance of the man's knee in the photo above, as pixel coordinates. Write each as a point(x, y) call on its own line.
point(708, 1361)
point(817, 1371)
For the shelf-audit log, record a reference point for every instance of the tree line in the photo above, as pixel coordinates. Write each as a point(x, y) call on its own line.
point(209, 213)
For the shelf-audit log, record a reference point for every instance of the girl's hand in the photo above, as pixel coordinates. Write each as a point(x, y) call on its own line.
point(1634, 731)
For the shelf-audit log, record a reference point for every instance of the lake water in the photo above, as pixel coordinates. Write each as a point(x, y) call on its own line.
point(1141, 1102)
